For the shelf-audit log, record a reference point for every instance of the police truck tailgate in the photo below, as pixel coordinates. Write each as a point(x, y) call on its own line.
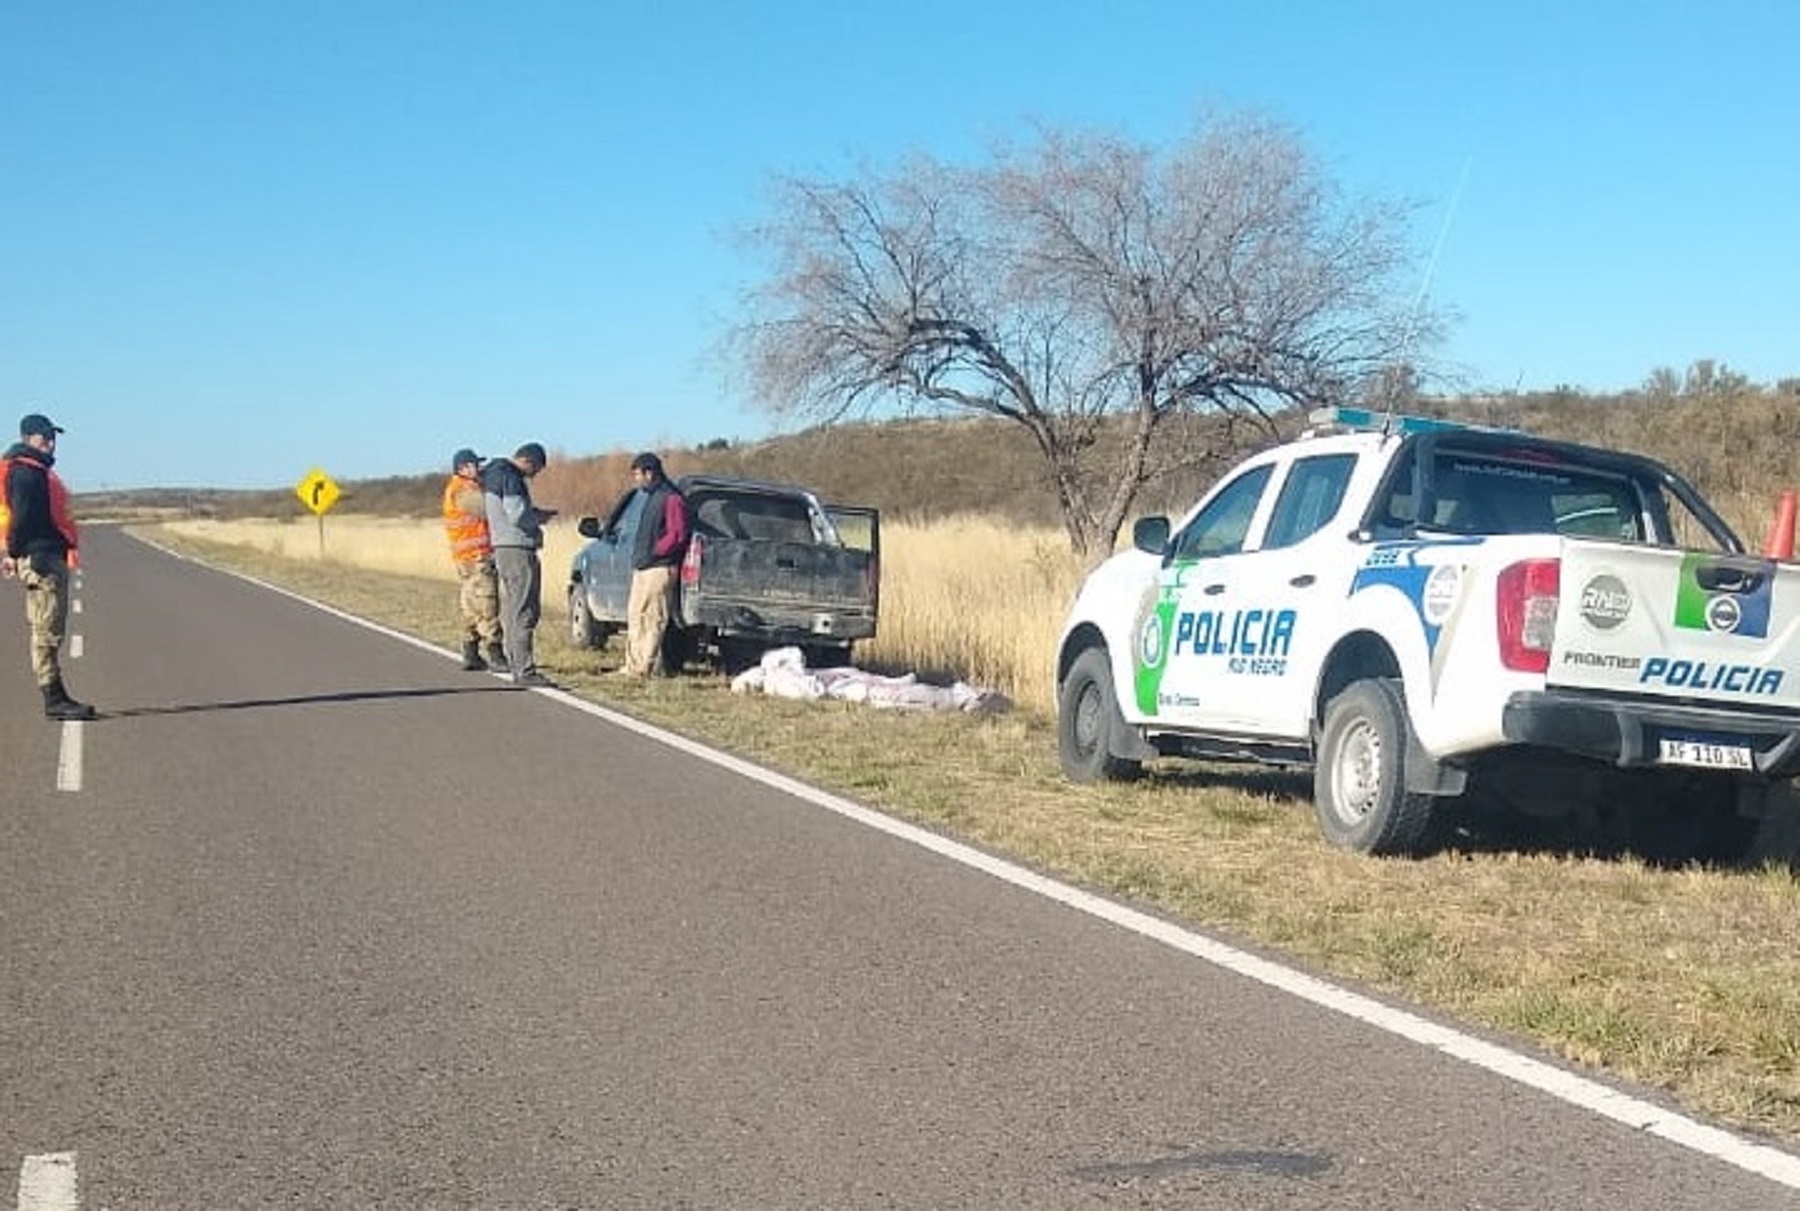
point(1703, 628)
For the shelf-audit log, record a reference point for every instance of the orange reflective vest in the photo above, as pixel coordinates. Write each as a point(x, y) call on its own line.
point(59, 508)
point(467, 529)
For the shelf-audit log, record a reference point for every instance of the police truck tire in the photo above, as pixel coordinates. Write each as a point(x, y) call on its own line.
point(1359, 779)
point(584, 632)
point(1693, 819)
point(1089, 727)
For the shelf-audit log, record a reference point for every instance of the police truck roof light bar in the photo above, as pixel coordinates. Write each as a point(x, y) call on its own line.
point(1369, 420)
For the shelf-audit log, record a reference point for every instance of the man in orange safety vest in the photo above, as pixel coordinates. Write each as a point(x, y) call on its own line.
point(472, 551)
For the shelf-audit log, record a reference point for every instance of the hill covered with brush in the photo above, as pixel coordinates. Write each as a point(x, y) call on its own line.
point(1738, 441)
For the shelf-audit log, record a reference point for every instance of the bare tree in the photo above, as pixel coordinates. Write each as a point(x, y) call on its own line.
point(1131, 309)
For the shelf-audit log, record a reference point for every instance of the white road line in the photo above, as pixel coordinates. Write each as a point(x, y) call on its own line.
point(75, 606)
point(75, 647)
point(47, 1183)
point(1588, 1094)
point(68, 757)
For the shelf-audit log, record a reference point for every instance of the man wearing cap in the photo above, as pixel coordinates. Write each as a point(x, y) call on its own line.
point(516, 530)
point(662, 539)
point(466, 525)
point(41, 546)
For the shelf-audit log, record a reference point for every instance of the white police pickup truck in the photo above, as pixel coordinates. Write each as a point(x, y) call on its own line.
point(1420, 610)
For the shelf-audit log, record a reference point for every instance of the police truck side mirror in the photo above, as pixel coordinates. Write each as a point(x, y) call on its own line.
point(588, 527)
point(1151, 535)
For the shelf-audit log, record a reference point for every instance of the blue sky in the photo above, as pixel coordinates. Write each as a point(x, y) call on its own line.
point(243, 238)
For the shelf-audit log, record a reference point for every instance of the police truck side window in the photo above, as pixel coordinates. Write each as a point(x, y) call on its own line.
point(1221, 526)
point(1309, 498)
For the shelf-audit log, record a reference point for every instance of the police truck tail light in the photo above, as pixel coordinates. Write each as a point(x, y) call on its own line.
point(1525, 613)
point(690, 563)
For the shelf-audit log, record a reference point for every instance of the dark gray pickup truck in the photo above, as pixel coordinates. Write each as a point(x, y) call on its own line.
point(768, 566)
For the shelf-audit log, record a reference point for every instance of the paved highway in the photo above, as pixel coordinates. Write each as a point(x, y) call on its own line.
point(310, 918)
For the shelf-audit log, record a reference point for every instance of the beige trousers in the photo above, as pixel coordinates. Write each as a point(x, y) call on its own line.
point(646, 618)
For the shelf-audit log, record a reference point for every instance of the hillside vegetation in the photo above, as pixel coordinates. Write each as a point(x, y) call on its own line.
point(1739, 442)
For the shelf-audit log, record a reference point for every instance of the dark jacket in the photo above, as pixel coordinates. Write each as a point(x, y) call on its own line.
point(513, 521)
point(32, 526)
point(662, 535)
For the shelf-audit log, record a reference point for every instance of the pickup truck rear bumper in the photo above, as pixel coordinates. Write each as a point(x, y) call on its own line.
point(781, 624)
point(1627, 732)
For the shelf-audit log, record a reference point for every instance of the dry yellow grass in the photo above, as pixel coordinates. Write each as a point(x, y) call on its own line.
point(405, 546)
point(966, 598)
point(974, 598)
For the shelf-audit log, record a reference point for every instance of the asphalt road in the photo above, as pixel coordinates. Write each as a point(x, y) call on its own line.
point(318, 920)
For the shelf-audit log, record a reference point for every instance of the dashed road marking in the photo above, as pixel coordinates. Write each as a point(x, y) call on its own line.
point(68, 757)
point(47, 1183)
point(75, 647)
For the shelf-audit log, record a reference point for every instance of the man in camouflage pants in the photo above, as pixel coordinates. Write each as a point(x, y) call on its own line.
point(472, 551)
point(40, 548)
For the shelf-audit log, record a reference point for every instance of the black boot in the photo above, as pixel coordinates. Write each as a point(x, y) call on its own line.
point(496, 658)
point(472, 661)
point(58, 704)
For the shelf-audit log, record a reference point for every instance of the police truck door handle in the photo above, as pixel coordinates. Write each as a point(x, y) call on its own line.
point(1302, 581)
point(1213, 590)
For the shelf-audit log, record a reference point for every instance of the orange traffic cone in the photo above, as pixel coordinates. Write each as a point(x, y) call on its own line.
point(1781, 534)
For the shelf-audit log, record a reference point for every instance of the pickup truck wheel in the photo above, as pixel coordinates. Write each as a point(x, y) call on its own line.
point(584, 632)
point(1088, 722)
point(736, 655)
point(826, 655)
point(1693, 820)
point(1359, 781)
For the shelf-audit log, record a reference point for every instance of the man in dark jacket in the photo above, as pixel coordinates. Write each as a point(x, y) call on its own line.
point(516, 530)
point(41, 544)
point(662, 539)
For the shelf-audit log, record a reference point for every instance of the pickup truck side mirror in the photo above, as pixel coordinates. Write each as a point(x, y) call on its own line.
point(1151, 535)
point(588, 527)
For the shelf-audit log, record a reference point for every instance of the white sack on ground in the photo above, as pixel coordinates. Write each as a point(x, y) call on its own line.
point(783, 673)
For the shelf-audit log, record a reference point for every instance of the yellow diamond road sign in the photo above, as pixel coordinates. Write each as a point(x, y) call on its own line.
point(317, 491)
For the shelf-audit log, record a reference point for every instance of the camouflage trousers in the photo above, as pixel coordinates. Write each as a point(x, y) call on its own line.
point(478, 600)
point(46, 581)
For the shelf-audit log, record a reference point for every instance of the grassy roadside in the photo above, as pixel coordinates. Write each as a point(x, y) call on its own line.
point(1686, 981)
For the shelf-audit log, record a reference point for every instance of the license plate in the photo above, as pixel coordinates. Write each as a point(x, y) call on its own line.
point(1705, 754)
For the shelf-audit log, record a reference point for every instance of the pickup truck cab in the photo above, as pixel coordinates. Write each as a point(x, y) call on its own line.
point(768, 565)
point(1415, 609)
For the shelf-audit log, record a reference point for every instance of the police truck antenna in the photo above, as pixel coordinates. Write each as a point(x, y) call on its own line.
point(1411, 331)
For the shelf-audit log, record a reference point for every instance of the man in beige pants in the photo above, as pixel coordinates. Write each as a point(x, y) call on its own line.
point(662, 539)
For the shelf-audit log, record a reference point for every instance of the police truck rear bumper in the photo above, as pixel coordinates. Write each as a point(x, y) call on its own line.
point(1631, 733)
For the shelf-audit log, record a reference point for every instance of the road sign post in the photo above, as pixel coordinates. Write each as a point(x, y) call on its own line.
point(318, 492)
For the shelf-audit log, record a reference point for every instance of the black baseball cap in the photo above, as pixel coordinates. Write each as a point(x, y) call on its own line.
point(464, 455)
point(36, 424)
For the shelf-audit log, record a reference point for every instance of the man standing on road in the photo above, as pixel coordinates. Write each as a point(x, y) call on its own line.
point(516, 530)
point(40, 548)
point(662, 538)
point(478, 601)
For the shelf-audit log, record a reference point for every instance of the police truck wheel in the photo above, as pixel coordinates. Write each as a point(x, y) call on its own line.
point(584, 632)
point(1088, 723)
point(1692, 819)
point(1359, 780)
